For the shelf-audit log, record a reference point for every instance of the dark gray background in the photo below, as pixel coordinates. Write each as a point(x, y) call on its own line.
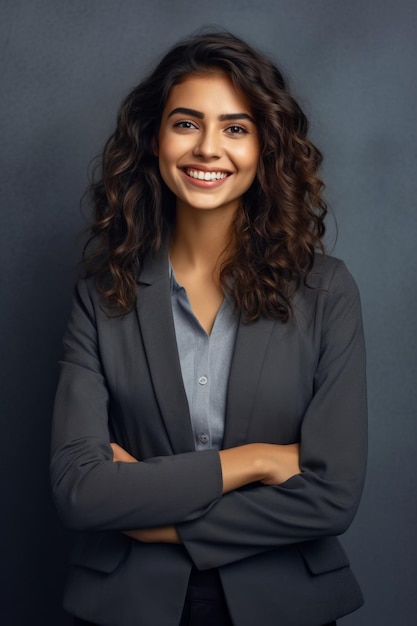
point(65, 65)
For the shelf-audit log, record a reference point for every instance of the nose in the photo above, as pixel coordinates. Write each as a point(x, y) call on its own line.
point(208, 145)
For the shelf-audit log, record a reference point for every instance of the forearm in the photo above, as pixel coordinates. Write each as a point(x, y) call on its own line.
point(93, 493)
point(240, 466)
point(162, 534)
point(260, 518)
point(258, 462)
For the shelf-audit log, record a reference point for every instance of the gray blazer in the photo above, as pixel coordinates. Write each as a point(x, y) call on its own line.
point(275, 546)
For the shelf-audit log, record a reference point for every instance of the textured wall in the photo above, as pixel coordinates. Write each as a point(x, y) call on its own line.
point(64, 68)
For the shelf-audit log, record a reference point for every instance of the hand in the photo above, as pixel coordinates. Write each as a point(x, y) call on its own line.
point(121, 455)
point(163, 534)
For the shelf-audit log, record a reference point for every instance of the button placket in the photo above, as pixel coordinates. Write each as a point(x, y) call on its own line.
point(203, 438)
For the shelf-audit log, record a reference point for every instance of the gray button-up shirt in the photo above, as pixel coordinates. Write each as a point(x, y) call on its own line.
point(205, 364)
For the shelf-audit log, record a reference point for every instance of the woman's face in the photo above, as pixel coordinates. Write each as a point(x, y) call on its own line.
point(208, 145)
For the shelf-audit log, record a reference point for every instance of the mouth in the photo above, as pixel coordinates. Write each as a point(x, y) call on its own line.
point(206, 175)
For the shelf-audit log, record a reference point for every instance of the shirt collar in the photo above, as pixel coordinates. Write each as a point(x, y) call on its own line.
point(175, 286)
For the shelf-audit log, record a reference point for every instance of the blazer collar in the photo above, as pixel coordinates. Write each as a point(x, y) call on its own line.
point(155, 266)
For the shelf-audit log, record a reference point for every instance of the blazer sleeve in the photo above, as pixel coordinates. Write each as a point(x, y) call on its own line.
point(90, 491)
point(323, 498)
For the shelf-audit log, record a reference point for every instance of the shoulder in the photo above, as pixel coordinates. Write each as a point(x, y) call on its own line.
point(331, 278)
point(330, 273)
point(329, 290)
point(86, 293)
point(87, 309)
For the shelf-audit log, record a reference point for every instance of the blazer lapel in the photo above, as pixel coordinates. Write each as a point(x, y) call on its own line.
point(157, 325)
point(248, 357)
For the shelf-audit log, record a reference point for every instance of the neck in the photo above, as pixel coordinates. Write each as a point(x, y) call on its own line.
point(200, 238)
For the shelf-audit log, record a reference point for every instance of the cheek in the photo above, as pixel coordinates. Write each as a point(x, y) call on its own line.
point(172, 146)
point(166, 157)
point(249, 158)
point(167, 160)
point(166, 173)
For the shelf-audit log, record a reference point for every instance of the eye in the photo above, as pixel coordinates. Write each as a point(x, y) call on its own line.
point(237, 129)
point(186, 124)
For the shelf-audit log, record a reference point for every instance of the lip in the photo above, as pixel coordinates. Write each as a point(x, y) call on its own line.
point(204, 184)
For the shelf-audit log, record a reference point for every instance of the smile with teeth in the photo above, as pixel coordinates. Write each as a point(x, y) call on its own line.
point(200, 175)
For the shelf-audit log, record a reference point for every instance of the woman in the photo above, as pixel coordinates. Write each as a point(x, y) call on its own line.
point(209, 434)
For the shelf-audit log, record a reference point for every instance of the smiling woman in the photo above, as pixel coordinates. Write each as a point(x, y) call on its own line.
point(209, 436)
point(211, 145)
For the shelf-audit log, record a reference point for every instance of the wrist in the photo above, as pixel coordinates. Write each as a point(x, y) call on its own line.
point(260, 465)
point(240, 466)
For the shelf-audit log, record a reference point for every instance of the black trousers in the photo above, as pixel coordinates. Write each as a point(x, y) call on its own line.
point(205, 604)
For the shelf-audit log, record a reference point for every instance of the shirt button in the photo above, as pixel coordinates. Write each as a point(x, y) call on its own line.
point(203, 438)
point(203, 380)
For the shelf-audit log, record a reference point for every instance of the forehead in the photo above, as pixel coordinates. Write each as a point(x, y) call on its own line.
point(205, 92)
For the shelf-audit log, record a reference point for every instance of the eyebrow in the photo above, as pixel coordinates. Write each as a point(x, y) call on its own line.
point(223, 118)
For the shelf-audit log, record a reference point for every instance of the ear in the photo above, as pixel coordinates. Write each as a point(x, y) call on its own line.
point(155, 147)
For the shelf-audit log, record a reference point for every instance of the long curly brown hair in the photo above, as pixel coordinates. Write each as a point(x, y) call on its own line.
point(281, 221)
